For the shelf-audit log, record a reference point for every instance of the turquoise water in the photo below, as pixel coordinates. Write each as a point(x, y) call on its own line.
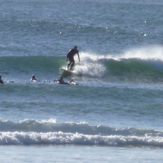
point(114, 113)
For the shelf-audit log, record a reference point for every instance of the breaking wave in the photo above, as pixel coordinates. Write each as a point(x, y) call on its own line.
point(28, 132)
point(142, 64)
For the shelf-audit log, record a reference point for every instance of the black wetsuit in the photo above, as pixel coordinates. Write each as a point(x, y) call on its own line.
point(70, 56)
point(1, 81)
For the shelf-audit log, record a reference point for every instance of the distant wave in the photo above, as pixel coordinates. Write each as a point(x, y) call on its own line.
point(50, 132)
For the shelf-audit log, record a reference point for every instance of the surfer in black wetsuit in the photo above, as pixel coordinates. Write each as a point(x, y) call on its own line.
point(60, 81)
point(70, 57)
point(1, 81)
point(33, 78)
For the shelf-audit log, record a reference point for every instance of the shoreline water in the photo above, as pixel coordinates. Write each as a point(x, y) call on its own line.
point(79, 154)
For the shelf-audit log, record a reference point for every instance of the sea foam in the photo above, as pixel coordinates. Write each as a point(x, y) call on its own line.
point(29, 138)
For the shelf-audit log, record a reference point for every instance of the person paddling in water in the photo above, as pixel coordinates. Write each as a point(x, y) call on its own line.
point(60, 81)
point(33, 79)
point(70, 57)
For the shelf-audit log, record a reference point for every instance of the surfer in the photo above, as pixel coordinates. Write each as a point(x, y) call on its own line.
point(61, 81)
point(33, 78)
point(70, 57)
point(1, 81)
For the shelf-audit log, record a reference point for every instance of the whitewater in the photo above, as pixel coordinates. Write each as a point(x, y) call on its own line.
point(115, 112)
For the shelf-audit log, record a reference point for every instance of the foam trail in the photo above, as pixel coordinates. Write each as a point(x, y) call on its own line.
point(90, 65)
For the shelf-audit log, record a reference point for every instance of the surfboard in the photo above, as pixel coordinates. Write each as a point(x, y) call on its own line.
point(66, 70)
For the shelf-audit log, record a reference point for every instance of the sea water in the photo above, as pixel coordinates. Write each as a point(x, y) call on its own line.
point(115, 112)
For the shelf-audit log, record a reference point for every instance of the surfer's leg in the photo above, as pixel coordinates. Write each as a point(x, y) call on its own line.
point(68, 65)
point(72, 64)
point(71, 59)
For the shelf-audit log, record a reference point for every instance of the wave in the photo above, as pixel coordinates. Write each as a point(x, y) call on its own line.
point(50, 132)
point(22, 138)
point(139, 64)
point(132, 65)
point(20, 67)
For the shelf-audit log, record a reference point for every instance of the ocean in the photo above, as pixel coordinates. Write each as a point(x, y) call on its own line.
point(115, 112)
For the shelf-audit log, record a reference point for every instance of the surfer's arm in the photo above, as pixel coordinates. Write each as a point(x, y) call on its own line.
point(78, 57)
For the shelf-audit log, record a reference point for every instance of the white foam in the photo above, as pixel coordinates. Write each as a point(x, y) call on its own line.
point(151, 52)
point(26, 138)
point(90, 65)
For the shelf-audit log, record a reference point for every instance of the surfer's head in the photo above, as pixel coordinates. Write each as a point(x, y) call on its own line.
point(75, 47)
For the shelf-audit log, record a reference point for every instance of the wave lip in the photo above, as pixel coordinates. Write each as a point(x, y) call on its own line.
point(29, 132)
point(51, 125)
